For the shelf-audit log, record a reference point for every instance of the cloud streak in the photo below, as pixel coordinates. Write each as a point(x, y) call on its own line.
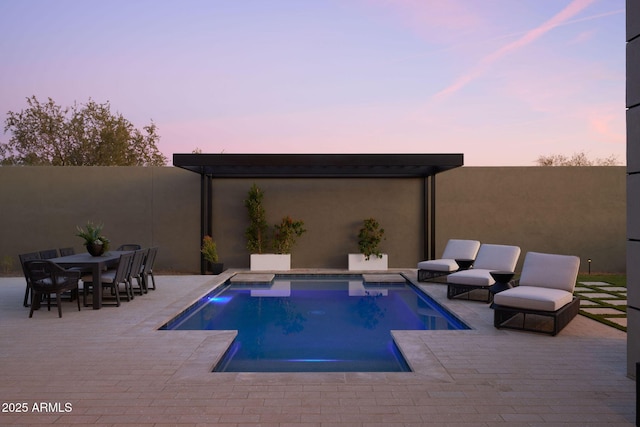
point(529, 37)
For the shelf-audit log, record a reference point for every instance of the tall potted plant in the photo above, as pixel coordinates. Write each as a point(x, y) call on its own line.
point(370, 235)
point(257, 234)
point(209, 252)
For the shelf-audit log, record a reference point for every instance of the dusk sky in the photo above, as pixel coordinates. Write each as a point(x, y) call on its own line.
point(501, 81)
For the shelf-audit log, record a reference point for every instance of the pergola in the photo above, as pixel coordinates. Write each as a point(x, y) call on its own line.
point(218, 166)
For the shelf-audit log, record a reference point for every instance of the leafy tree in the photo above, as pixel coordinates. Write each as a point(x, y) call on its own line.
point(578, 159)
point(81, 135)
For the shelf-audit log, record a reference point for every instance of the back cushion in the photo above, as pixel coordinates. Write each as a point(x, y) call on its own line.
point(461, 249)
point(550, 271)
point(497, 257)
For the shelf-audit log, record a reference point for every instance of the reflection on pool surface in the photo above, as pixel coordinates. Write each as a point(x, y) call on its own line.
point(315, 323)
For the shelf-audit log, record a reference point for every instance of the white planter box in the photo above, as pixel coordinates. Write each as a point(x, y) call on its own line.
point(270, 262)
point(357, 262)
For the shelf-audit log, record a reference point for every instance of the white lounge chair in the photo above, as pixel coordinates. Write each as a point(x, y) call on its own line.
point(545, 289)
point(490, 258)
point(456, 249)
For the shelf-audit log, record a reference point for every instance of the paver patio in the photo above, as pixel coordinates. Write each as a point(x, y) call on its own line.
point(113, 367)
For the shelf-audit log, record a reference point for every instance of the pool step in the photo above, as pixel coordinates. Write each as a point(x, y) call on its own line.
point(383, 278)
point(253, 278)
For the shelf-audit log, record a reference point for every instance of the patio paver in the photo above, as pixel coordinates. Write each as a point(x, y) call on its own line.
point(115, 368)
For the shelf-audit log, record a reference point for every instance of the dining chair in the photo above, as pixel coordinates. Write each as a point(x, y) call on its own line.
point(129, 247)
point(46, 278)
point(147, 270)
point(49, 253)
point(67, 251)
point(136, 269)
point(112, 279)
point(28, 294)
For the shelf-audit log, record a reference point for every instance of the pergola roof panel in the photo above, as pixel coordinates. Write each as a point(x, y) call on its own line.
point(317, 165)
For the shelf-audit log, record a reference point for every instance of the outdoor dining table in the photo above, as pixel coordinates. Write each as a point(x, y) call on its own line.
point(93, 264)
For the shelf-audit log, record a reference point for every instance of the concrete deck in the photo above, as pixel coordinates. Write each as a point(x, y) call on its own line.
point(113, 367)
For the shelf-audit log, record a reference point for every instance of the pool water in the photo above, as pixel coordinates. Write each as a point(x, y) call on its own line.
point(315, 323)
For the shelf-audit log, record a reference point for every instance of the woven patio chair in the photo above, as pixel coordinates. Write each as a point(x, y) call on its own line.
point(112, 279)
point(545, 292)
point(456, 249)
point(490, 258)
point(46, 278)
point(147, 270)
point(136, 269)
point(67, 251)
point(129, 247)
point(48, 254)
point(28, 294)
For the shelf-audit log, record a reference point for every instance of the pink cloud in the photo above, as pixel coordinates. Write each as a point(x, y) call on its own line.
point(434, 20)
point(562, 17)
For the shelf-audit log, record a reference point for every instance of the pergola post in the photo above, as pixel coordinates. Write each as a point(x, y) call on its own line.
point(206, 205)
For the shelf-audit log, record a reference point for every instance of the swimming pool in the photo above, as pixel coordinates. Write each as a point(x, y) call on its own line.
point(315, 323)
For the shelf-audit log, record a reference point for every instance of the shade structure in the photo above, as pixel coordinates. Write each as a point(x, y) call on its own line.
point(219, 166)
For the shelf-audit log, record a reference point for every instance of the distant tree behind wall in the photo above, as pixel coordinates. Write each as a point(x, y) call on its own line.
point(578, 159)
point(81, 135)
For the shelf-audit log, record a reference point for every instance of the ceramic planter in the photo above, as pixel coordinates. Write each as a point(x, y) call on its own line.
point(215, 267)
point(270, 262)
point(358, 262)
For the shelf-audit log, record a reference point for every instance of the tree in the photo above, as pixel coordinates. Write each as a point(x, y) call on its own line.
point(81, 135)
point(578, 159)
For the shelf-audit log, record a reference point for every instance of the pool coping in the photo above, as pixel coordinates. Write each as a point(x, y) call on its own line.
point(411, 343)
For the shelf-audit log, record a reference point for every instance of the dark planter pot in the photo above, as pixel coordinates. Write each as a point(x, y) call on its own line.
point(215, 267)
point(95, 250)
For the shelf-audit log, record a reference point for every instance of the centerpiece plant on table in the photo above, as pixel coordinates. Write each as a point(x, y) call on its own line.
point(95, 242)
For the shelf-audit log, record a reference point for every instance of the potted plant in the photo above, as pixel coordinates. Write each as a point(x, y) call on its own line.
point(96, 243)
point(209, 252)
point(370, 257)
point(257, 234)
point(285, 234)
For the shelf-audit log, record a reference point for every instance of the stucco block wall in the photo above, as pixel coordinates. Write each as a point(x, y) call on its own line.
point(41, 207)
point(562, 210)
point(633, 184)
point(566, 210)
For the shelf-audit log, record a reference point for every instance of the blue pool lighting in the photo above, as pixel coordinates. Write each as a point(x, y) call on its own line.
point(219, 299)
point(315, 323)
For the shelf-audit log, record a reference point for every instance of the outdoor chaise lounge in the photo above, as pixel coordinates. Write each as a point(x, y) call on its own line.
point(490, 258)
point(456, 249)
point(545, 289)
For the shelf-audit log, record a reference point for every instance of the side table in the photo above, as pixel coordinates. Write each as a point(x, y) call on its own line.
point(464, 264)
point(503, 279)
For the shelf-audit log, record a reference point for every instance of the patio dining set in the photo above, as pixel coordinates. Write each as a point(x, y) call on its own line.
point(124, 272)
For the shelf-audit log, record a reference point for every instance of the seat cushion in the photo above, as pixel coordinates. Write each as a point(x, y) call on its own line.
point(446, 265)
point(533, 298)
point(473, 277)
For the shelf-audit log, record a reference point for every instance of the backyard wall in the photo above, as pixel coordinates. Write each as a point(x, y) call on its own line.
point(570, 210)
